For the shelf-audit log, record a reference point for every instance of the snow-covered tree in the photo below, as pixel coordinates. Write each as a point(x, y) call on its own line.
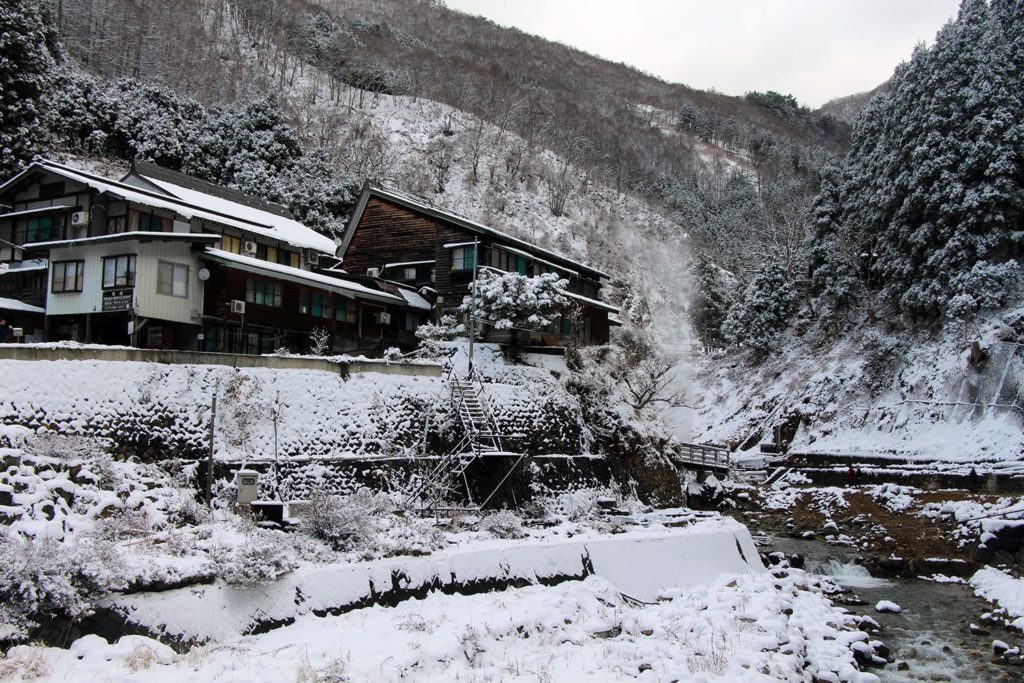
point(763, 312)
point(934, 181)
point(510, 300)
point(28, 56)
point(249, 147)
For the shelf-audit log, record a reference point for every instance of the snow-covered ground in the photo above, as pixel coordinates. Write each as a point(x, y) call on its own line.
point(756, 627)
point(654, 594)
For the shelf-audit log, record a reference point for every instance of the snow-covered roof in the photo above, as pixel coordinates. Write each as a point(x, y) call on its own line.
point(34, 212)
point(219, 211)
point(592, 302)
point(350, 289)
point(24, 266)
point(15, 305)
point(408, 263)
point(141, 235)
point(287, 229)
point(420, 205)
point(414, 299)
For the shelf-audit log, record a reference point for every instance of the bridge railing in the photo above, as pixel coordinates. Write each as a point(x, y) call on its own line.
point(709, 457)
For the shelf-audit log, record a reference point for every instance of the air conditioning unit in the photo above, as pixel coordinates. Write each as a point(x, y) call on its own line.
point(80, 218)
point(313, 258)
point(238, 306)
point(373, 272)
point(382, 318)
point(249, 247)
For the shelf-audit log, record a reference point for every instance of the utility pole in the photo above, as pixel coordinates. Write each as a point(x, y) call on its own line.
point(472, 306)
point(209, 460)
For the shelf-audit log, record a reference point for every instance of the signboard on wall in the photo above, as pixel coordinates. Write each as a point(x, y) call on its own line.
point(117, 299)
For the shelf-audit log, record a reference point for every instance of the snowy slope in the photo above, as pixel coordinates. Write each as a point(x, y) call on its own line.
point(905, 396)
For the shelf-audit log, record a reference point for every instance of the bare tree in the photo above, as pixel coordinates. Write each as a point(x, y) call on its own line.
point(651, 381)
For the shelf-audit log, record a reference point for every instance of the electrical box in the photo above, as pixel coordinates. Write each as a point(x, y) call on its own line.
point(248, 483)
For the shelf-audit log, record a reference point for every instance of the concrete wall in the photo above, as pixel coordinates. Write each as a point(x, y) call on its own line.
point(37, 353)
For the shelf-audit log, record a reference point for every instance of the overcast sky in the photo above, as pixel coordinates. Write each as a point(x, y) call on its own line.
point(812, 49)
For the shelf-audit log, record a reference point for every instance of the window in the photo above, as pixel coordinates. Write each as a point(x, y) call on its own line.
point(116, 224)
point(411, 322)
point(51, 190)
point(68, 276)
point(409, 274)
point(172, 279)
point(345, 311)
point(149, 222)
point(263, 292)
point(288, 258)
point(510, 263)
point(119, 271)
point(462, 258)
point(36, 229)
point(232, 244)
point(266, 253)
point(316, 304)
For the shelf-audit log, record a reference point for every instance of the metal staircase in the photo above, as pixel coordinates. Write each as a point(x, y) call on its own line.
point(480, 440)
point(476, 417)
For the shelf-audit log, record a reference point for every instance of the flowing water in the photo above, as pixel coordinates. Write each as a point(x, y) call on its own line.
point(931, 636)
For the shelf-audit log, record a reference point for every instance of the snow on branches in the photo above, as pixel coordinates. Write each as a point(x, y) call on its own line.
point(514, 301)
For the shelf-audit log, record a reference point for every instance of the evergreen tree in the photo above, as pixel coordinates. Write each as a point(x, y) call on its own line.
point(28, 55)
point(250, 147)
point(768, 303)
point(933, 183)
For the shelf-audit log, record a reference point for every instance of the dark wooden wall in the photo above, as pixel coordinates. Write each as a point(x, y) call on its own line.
point(226, 284)
point(389, 234)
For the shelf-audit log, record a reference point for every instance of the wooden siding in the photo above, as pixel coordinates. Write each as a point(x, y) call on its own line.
point(389, 234)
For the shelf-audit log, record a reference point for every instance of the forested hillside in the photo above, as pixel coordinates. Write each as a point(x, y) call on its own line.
point(910, 325)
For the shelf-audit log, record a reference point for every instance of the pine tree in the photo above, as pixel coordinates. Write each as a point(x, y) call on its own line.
point(28, 56)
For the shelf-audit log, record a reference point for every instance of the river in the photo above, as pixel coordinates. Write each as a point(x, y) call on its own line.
point(931, 635)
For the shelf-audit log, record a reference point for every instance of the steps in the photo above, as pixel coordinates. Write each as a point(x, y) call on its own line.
point(476, 418)
point(481, 439)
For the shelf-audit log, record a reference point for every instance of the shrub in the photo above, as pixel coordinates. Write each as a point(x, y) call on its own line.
point(260, 558)
point(503, 524)
point(42, 578)
point(344, 522)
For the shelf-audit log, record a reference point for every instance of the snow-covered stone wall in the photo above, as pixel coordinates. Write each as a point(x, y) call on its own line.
point(158, 410)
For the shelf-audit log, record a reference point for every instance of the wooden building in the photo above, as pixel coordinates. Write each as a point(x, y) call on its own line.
point(405, 239)
point(162, 260)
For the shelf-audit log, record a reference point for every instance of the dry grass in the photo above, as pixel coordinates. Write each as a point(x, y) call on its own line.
point(25, 662)
point(331, 671)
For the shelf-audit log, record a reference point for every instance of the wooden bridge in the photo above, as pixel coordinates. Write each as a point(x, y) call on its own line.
point(699, 457)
